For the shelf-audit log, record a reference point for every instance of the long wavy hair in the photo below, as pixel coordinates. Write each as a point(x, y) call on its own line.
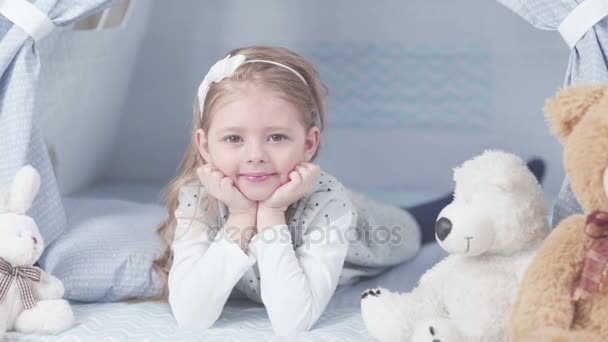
point(308, 97)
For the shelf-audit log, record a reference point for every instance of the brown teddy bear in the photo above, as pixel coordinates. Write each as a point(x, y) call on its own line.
point(562, 296)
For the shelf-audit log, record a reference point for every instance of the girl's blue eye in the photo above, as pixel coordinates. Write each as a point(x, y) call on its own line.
point(277, 137)
point(233, 139)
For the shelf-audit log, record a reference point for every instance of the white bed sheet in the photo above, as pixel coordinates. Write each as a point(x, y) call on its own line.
point(240, 320)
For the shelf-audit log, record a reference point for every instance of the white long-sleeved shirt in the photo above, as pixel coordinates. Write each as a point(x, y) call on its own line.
point(295, 282)
point(293, 269)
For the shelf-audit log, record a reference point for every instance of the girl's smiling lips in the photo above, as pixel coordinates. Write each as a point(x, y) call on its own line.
point(256, 177)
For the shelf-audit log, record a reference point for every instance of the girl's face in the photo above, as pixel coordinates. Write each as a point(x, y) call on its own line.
point(257, 139)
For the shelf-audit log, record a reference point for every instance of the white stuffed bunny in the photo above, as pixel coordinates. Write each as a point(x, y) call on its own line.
point(30, 299)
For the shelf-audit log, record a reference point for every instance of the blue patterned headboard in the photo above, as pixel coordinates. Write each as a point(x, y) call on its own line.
point(394, 86)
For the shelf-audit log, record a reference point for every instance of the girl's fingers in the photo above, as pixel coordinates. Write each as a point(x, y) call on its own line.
point(207, 169)
point(203, 176)
point(310, 166)
point(312, 170)
point(217, 175)
point(290, 188)
point(294, 181)
point(302, 170)
point(306, 164)
point(200, 171)
point(295, 177)
point(205, 172)
point(213, 180)
point(226, 183)
point(309, 172)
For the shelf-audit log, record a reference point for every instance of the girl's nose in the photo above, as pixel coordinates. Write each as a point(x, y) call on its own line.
point(256, 154)
point(255, 160)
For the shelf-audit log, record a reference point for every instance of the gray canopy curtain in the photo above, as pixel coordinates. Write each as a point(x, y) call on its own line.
point(584, 26)
point(22, 24)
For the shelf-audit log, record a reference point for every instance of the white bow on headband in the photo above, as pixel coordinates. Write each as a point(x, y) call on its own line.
point(220, 70)
point(225, 68)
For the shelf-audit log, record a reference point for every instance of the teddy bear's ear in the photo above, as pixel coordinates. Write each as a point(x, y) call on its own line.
point(23, 190)
point(567, 108)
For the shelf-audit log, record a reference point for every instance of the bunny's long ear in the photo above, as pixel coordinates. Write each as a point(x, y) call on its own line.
point(23, 190)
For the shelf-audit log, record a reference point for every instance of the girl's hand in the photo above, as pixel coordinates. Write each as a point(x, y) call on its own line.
point(301, 181)
point(222, 188)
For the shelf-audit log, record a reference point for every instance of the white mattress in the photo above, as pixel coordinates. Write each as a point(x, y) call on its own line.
point(240, 320)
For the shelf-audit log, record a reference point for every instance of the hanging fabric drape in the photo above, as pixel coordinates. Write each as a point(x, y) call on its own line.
point(584, 27)
point(22, 24)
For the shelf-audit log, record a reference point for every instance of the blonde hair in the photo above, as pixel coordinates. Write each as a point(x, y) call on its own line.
point(308, 97)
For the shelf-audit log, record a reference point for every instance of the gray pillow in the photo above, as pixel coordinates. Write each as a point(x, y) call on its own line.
point(107, 250)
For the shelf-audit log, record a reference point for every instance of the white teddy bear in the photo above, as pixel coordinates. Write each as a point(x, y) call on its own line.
point(30, 299)
point(492, 229)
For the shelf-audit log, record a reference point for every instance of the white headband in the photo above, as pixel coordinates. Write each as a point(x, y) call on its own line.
point(225, 68)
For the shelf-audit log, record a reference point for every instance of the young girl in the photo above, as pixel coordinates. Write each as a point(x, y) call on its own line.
point(251, 215)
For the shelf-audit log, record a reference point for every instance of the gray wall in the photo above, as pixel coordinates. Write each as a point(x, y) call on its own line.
point(416, 87)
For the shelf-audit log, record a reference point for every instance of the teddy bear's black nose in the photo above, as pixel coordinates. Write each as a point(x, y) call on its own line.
point(443, 227)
